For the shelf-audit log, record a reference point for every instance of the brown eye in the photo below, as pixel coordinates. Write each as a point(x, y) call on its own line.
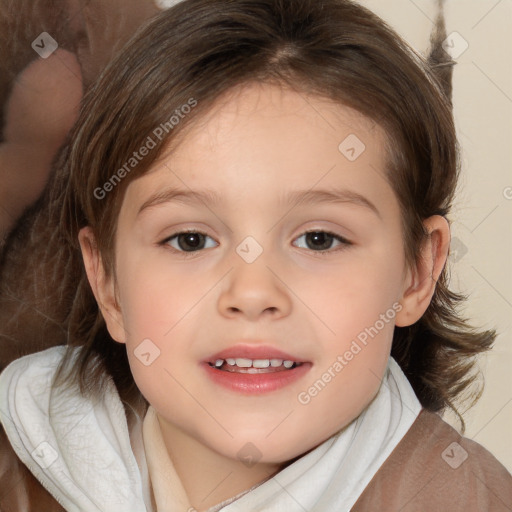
point(187, 241)
point(190, 241)
point(322, 241)
point(319, 240)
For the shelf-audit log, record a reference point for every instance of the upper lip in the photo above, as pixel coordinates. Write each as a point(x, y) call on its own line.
point(253, 352)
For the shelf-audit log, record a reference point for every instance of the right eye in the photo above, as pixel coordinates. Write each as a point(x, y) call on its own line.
point(187, 241)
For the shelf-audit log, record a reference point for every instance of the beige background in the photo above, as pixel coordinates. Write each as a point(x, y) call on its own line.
point(482, 217)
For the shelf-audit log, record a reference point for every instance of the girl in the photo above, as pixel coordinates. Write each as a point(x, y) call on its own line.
point(262, 320)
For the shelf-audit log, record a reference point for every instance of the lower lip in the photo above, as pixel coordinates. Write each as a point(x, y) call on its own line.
point(256, 383)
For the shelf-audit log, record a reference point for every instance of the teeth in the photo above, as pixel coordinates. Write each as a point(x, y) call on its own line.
point(261, 363)
point(254, 363)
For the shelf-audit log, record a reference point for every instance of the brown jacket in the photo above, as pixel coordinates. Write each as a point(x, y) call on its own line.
point(432, 469)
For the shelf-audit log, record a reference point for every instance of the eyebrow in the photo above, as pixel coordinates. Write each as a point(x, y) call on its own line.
point(295, 198)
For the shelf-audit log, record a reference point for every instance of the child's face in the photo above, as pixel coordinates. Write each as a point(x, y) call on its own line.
point(335, 311)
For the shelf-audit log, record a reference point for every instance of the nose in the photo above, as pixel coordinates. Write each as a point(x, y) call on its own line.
point(254, 290)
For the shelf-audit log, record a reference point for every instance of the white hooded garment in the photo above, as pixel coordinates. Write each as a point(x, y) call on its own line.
point(82, 452)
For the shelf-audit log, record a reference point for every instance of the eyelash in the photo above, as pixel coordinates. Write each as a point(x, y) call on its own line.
point(186, 254)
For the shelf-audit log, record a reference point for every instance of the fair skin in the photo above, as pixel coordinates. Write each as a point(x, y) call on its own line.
point(261, 144)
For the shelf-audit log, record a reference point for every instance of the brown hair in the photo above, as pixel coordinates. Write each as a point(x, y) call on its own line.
point(199, 50)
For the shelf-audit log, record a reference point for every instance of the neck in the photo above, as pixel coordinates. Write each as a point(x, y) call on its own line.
point(207, 476)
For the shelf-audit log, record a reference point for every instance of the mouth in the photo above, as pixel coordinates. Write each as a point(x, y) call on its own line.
point(255, 369)
point(244, 365)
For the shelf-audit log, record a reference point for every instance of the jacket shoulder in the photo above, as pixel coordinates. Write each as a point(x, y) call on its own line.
point(19, 488)
point(435, 468)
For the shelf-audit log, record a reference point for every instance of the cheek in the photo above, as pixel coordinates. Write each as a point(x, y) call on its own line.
point(353, 293)
point(159, 316)
point(154, 295)
point(358, 304)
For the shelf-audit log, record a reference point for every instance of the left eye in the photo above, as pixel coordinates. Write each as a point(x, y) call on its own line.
point(320, 241)
point(194, 241)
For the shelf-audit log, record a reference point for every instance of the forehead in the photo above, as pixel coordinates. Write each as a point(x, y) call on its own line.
point(260, 138)
point(260, 107)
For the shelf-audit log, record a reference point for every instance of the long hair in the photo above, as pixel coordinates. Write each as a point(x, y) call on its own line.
point(203, 48)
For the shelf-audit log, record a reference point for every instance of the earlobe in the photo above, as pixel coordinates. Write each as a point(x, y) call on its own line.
point(420, 283)
point(102, 286)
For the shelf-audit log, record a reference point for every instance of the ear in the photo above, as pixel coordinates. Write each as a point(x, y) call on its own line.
point(103, 287)
point(420, 283)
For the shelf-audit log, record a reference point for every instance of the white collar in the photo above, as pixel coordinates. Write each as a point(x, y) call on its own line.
point(88, 463)
point(80, 451)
